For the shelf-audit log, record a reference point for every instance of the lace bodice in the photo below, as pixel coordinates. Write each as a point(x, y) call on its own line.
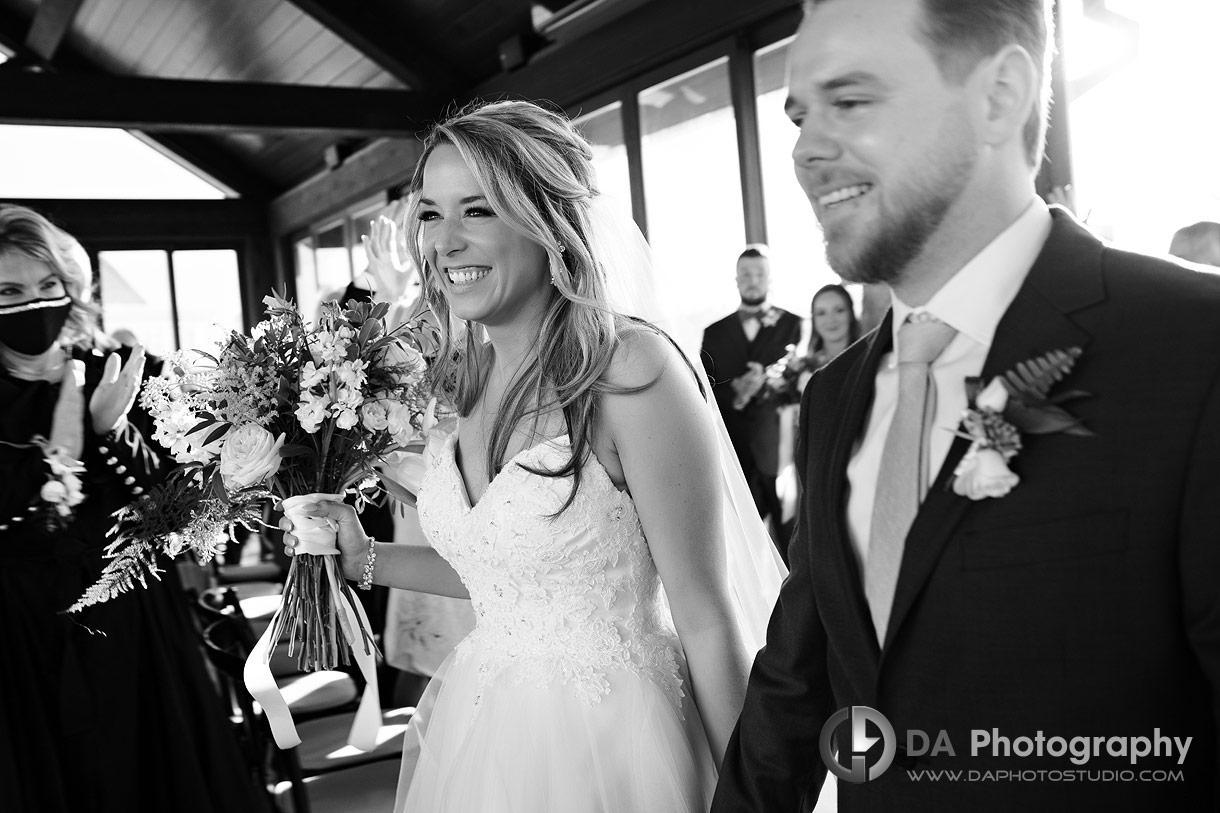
point(571, 600)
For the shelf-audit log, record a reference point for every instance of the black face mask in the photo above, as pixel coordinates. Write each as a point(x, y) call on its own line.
point(32, 327)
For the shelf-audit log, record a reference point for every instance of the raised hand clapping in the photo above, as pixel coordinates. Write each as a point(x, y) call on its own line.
point(116, 392)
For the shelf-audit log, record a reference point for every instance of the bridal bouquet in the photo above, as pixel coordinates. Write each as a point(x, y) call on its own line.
point(291, 411)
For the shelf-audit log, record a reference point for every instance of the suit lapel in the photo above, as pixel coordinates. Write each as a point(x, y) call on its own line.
point(1066, 277)
point(847, 429)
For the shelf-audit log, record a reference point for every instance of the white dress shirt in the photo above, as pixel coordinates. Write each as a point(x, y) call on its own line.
point(972, 302)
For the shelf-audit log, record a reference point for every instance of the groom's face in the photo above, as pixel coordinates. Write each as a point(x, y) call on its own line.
point(886, 144)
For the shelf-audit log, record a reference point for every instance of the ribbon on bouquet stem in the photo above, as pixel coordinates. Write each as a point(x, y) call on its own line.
point(316, 537)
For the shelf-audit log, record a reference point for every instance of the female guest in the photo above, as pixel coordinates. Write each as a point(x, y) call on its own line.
point(584, 475)
point(111, 710)
point(835, 326)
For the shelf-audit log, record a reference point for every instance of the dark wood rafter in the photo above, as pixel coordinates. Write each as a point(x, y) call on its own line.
point(51, 24)
point(409, 58)
point(648, 37)
point(197, 153)
point(92, 100)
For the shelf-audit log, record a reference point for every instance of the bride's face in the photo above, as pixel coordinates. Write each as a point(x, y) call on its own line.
point(490, 273)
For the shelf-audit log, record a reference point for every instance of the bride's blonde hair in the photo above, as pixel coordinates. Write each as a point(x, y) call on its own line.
point(536, 172)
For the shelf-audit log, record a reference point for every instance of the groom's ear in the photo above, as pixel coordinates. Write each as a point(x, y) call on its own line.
point(1010, 83)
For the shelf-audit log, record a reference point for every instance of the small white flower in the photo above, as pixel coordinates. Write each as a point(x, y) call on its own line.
point(311, 412)
point(983, 473)
point(312, 376)
point(351, 373)
point(346, 418)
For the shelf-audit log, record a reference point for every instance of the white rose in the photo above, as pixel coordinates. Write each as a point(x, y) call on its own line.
point(398, 423)
point(250, 455)
point(406, 359)
point(53, 491)
point(373, 416)
point(983, 473)
point(994, 396)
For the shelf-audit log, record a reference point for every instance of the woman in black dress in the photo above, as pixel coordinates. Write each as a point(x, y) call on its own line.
point(111, 710)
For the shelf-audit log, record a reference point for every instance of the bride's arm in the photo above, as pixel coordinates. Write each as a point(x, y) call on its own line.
point(665, 441)
point(407, 567)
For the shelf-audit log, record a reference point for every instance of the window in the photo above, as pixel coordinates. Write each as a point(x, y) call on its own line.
point(798, 260)
point(692, 190)
point(171, 300)
point(1142, 117)
point(90, 162)
point(604, 130)
point(332, 255)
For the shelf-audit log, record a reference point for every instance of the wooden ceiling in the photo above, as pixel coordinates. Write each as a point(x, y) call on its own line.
point(254, 93)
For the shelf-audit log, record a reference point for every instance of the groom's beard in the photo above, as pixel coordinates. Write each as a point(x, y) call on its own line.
point(921, 204)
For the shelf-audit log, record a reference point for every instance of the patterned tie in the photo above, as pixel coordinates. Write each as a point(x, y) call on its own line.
point(903, 479)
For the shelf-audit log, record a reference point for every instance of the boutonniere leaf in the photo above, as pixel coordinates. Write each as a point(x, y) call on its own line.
point(1015, 403)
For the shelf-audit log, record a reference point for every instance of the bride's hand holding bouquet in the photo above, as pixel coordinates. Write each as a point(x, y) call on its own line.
point(297, 413)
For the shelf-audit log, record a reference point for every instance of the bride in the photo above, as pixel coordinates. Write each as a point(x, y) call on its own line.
point(586, 503)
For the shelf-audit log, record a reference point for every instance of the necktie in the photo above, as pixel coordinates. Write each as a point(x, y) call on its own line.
point(750, 323)
point(903, 479)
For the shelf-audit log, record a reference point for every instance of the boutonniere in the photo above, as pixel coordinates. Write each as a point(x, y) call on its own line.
point(997, 415)
point(769, 317)
point(62, 492)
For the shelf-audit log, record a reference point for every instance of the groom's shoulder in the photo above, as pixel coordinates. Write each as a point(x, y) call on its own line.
point(830, 380)
point(1160, 286)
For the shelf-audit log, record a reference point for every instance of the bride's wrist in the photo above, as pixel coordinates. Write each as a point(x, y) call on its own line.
point(353, 565)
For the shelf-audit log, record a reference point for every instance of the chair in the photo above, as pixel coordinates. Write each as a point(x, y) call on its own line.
point(307, 694)
point(323, 773)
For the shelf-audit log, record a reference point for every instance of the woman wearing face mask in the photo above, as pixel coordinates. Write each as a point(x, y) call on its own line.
point(124, 719)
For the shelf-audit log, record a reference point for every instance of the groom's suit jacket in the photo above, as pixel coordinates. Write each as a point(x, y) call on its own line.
point(1085, 603)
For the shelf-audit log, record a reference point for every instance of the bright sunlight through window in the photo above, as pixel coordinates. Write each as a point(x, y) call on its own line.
point(87, 162)
point(1142, 83)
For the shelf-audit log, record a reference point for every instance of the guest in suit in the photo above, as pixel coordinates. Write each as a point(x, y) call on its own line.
point(1197, 243)
point(737, 352)
point(1075, 593)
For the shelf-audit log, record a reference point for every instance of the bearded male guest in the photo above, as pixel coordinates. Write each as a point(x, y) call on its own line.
point(737, 350)
point(1059, 582)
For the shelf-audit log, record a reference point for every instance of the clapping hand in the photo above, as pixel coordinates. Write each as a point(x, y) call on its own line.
point(390, 265)
point(747, 385)
point(116, 392)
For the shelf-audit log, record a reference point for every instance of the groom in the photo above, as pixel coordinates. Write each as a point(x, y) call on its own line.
point(980, 642)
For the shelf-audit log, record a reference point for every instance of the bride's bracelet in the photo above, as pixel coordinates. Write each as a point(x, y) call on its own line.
point(366, 578)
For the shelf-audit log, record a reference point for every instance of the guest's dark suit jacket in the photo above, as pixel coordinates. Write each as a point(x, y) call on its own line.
point(726, 354)
point(1084, 603)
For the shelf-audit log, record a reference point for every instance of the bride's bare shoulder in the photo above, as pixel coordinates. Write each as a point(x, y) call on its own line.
point(644, 356)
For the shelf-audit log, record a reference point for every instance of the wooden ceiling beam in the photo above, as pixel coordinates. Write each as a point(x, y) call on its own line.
point(51, 24)
point(167, 105)
point(197, 153)
point(409, 58)
point(658, 33)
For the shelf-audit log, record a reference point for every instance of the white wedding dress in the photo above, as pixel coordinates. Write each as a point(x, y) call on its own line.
point(571, 694)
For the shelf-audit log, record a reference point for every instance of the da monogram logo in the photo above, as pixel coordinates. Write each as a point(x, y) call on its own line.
point(861, 743)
